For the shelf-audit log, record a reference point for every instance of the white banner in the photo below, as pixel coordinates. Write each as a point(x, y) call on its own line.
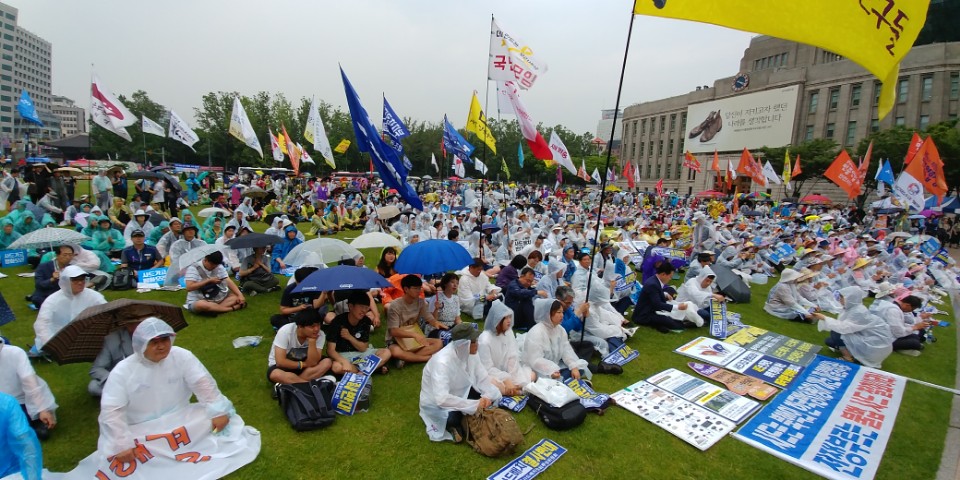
point(560, 153)
point(151, 127)
point(317, 135)
point(910, 191)
point(770, 174)
point(181, 132)
point(512, 59)
point(179, 445)
point(241, 129)
point(747, 121)
point(107, 111)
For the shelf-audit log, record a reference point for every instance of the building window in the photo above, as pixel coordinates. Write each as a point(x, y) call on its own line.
point(830, 131)
point(900, 121)
point(924, 121)
point(834, 98)
point(876, 93)
point(783, 58)
point(855, 95)
point(673, 122)
point(809, 135)
point(926, 92)
point(874, 125)
point(670, 147)
point(658, 171)
point(683, 122)
point(903, 88)
point(643, 126)
point(814, 100)
point(851, 132)
point(663, 124)
point(650, 150)
point(660, 148)
point(954, 86)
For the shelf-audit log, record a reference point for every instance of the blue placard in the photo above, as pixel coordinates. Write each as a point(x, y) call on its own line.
point(534, 461)
point(931, 247)
point(445, 208)
point(622, 356)
point(13, 258)
point(784, 251)
point(669, 253)
point(718, 319)
point(514, 404)
point(6, 313)
point(942, 257)
point(347, 394)
point(367, 365)
point(588, 397)
point(153, 276)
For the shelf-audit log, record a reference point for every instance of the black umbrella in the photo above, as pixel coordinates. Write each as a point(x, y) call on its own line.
point(252, 240)
point(145, 174)
point(730, 284)
point(170, 179)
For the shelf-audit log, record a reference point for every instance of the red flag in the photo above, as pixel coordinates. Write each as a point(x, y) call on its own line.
point(796, 167)
point(736, 201)
point(845, 174)
point(443, 150)
point(929, 170)
point(291, 150)
point(371, 166)
point(729, 179)
point(691, 162)
point(716, 162)
point(915, 143)
point(660, 187)
point(629, 174)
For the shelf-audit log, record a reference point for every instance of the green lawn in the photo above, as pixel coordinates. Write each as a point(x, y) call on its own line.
point(389, 441)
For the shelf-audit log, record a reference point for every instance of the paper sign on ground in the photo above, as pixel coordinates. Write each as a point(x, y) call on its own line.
point(588, 397)
point(347, 394)
point(534, 461)
point(367, 365)
point(718, 319)
point(710, 350)
point(621, 356)
point(514, 404)
point(835, 421)
point(774, 371)
point(775, 345)
point(727, 404)
point(735, 382)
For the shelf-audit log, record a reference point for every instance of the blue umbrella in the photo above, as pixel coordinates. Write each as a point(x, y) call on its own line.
point(343, 277)
point(433, 256)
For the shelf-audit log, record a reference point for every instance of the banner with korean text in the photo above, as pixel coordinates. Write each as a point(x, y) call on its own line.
point(751, 120)
point(835, 422)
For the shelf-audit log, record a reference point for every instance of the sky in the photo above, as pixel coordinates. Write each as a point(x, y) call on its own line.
point(426, 56)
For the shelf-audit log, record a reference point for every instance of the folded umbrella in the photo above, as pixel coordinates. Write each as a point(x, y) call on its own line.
point(433, 256)
point(82, 339)
point(342, 277)
point(252, 240)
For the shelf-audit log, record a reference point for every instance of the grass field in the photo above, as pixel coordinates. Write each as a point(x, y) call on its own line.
point(389, 441)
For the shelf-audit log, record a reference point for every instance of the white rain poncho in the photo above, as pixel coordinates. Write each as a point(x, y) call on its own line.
point(499, 353)
point(63, 306)
point(549, 282)
point(20, 454)
point(546, 349)
point(139, 390)
point(693, 291)
point(865, 335)
point(447, 379)
point(785, 302)
point(604, 321)
point(19, 380)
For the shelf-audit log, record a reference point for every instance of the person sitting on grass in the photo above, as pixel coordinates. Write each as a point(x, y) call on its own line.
point(519, 296)
point(546, 349)
point(106, 239)
point(281, 249)
point(188, 242)
point(303, 339)
point(117, 345)
point(140, 256)
point(455, 383)
point(255, 275)
point(407, 311)
point(348, 336)
point(446, 306)
point(209, 288)
point(60, 308)
point(499, 352)
point(858, 334)
point(19, 380)
point(46, 278)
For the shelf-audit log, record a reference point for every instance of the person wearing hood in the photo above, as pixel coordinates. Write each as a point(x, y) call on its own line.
point(784, 300)
point(158, 380)
point(239, 220)
point(546, 349)
point(858, 334)
point(141, 221)
point(455, 383)
point(7, 233)
point(12, 189)
point(553, 278)
point(499, 352)
point(26, 223)
point(171, 237)
point(276, 228)
point(193, 188)
point(255, 274)
point(280, 250)
point(699, 291)
point(19, 380)
point(20, 453)
point(62, 306)
point(50, 203)
point(153, 238)
point(188, 242)
point(603, 320)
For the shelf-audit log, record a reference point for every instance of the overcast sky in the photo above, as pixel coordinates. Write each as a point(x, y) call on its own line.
point(427, 56)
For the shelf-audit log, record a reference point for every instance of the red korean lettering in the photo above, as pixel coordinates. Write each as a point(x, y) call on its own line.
point(500, 62)
point(191, 457)
point(175, 439)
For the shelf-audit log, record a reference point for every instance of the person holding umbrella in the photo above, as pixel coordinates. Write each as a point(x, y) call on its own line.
point(117, 345)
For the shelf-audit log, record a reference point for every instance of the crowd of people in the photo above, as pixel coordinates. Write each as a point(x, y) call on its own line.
point(539, 280)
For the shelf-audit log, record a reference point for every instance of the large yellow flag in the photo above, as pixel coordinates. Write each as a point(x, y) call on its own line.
point(786, 167)
point(477, 123)
point(876, 34)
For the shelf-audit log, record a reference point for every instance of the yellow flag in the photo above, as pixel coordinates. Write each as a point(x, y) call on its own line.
point(342, 146)
point(503, 165)
point(283, 143)
point(477, 123)
point(876, 34)
point(786, 166)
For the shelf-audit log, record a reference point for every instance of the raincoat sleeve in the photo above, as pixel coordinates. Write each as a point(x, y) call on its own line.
point(115, 435)
point(22, 441)
point(204, 386)
point(443, 378)
point(485, 355)
point(43, 326)
point(534, 349)
point(481, 380)
point(856, 321)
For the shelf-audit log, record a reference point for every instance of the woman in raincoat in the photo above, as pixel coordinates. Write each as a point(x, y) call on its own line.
point(857, 333)
point(19, 449)
point(62, 306)
point(19, 380)
point(7, 234)
point(105, 239)
point(784, 301)
point(604, 321)
point(281, 249)
point(699, 291)
point(546, 349)
point(448, 379)
point(499, 352)
point(26, 223)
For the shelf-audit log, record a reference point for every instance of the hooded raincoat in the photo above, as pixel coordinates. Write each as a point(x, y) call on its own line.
point(19, 380)
point(62, 306)
point(499, 352)
point(865, 335)
point(19, 447)
point(546, 349)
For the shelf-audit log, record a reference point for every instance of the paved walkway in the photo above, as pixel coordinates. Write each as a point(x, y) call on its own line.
point(950, 459)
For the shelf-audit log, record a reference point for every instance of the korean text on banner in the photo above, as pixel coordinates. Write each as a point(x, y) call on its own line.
point(622, 356)
point(13, 258)
point(347, 394)
point(153, 276)
point(533, 462)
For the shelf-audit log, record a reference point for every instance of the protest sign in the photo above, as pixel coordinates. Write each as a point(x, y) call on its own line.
point(588, 397)
point(942, 257)
point(534, 461)
point(669, 253)
point(621, 356)
point(520, 244)
point(347, 394)
point(367, 365)
point(835, 422)
point(710, 350)
point(930, 247)
point(735, 382)
point(775, 345)
point(725, 403)
point(13, 258)
point(515, 403)
point(153, 276)
point(718, 319)
point(776, 372)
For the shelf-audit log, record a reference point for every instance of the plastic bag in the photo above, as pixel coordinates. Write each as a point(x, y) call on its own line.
point(551, 391)
point(251, 341)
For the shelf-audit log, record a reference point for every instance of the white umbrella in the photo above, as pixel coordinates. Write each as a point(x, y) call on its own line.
point(328, 249)
point(48, 237)
point(899, 235)
point(388, 212)
point(211, 211)
point(196, 254)
point(375, 240)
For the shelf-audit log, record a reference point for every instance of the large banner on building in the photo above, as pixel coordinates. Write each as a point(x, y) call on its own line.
point(747, 121)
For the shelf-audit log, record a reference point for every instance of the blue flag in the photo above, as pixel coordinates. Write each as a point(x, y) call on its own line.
point(392, 171)
point(520, 155)
point(27, 109)
point(885, 173)
point(395, 130)
point(455, 143)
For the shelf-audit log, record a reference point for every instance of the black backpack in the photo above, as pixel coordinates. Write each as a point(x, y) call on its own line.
point(123, 279)
point(558, 418)
point(307, 405)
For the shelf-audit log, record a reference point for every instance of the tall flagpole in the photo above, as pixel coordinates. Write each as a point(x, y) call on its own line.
point(486, 108)
point(603, 178)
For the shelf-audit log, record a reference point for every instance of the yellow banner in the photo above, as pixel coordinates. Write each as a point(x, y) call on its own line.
point(342, 146)
point(876, 34)
point(477, 123)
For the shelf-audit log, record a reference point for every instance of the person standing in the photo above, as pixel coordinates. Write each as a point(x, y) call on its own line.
point(12, 188)
point(102, 186)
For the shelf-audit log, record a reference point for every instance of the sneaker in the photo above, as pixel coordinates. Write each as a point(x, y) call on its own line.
point(909, 353)
point(276, 391)
point(253, 293)
point(32, 307)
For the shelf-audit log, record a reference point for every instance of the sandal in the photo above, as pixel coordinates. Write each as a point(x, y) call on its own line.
point(384, 370)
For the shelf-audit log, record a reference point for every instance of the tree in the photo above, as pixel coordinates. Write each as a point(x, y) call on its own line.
point(815, 156)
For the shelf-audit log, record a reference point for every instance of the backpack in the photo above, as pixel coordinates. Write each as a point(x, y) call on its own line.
point(558, 418)
point(492, 432)
point(307, 404)
point(123, 279)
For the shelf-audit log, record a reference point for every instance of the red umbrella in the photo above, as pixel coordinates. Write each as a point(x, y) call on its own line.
point(711, 194)
point(816, 199)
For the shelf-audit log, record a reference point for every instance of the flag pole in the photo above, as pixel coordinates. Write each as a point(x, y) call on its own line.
point(486, 108)
point(603, 178)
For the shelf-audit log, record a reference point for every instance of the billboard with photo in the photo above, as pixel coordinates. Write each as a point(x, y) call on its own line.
point(744, 121)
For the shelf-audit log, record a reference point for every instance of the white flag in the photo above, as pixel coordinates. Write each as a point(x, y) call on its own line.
point(317, 135)
point(560, 153)
point(596, 176)
point(504, 104)
point(636, 175)
point(458, 168)
point(771, 174)
point(910, 191)
point(151, 127)
point(433, 160)
point(881, 189)
point(304, 156)
point(512, 59)
point(731, 170)
point(107, 111)
point(275, 146)
point(479, 166)
point(181, 132)
point(241, 129)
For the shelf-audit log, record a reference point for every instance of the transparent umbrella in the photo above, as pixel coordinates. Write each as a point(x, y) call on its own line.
point(328, 249)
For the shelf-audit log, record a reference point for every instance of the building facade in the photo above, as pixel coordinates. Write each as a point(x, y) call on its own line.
point(605, 124)
point(817, 94)
point(72, 118)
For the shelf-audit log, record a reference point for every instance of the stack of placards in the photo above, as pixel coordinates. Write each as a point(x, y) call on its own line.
point(775, 345)
point(727, 404)
point(773, 370)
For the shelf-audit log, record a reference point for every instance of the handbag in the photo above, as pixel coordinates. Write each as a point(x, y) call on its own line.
point(307, 405)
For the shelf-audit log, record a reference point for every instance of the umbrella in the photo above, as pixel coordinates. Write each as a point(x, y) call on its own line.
point(211, 211)
point(730, 284)
point(375, 240)
point(343, 277)
point(459, 209)
point(433, 256)
point(916, 217)
point(252, 240)
point(427, 177)
point(930, 213)
point(817, 199)
point(827, 218)
point(490, 226)
point(145, 174)
point(388, 212)
point(811, 218)
point(753, 213)
point(328, 249)
point(48, 237)
point(69, 170)
point(158, 175)
point(711, 194)
point(82, 339)
point(899, 235)
point(202, 175)
point(197, 254)
point(160, 168)
point(255, 192)
point(613, 188)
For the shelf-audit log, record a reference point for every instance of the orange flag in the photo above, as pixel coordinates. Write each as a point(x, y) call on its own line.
point(749, 167)
point(796, 167)
point(915, 144)
point(929, 169)
point(865, 165)
point(845, 174)
point(716, 162)
point(292, 150)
